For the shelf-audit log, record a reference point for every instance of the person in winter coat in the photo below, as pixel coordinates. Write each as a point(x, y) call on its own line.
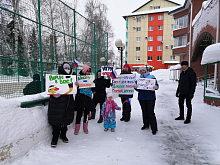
point(147, 102)
point(185, 90)
point(99, 93)
point(83, 103)
point(61, 110)
point(126, 107)
point(33, 87)
point(108, 113)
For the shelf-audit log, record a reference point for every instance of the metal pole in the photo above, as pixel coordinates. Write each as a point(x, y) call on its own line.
point(107, 49)
point(94, 49)
point(52, 57)
point(121, 57)
point(41, 65)
point(18, 60)
point(74, 14)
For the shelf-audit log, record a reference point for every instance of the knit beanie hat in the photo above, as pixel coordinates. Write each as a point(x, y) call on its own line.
point(126, 65)
point(66, 65)
point(143, 68)
point(184, 62)
point(85, 68)
point(109, 95)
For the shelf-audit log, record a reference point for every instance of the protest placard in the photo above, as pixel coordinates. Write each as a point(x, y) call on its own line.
point(124, 84)
point(62, 84)
point(108, 70)
point(86, 81)
point(146, 84)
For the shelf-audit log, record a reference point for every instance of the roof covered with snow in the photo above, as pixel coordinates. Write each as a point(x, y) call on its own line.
point(211, 54)
point(171, 62)
point(161, 10)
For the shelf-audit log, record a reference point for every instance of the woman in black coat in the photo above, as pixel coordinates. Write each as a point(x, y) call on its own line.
point(99, 93)
point(61, 110)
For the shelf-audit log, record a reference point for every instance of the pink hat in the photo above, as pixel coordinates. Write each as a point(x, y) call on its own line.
point(85, 68)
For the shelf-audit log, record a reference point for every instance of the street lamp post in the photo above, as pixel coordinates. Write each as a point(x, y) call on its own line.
point(121, 47)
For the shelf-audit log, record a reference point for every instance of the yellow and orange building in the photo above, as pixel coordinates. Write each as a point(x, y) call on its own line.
point(149, 35)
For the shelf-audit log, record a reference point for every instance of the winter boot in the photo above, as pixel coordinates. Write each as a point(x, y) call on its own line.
point(92, 115)
point(179, 118)
point(55, 133)
point(77, 127)
point(63, 134)
point(100, 119)
point(85, 128)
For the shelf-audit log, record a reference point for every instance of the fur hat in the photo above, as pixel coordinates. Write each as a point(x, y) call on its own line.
point(126, 65)
point(143, 68)
point(109, 95)
point(184, 62)
point(85, 68)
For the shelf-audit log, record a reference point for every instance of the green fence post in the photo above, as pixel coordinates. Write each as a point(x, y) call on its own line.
point(41, 65)
point(52, 56)
point(107, 49)
point(94, 49)
point(205, 78)
point(74, 14)
point(18, 60)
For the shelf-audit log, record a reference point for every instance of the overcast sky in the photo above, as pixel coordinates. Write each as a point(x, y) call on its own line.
point(117, 9)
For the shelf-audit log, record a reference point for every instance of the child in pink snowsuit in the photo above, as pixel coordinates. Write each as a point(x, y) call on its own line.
point(108, 113)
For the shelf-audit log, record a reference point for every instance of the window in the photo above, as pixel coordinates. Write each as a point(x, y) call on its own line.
point(149, 58)
point(151, 28)
point(180, 40)
point(159, 58)
point(160, 27)
point(156, 7)
point(159, 38)
point(138, 49)
point(151, 39)
point(181, 22)
point(172, 57)
point(138, 58)
point(172, 26)
point(151, 18)
point(139, 19)
point(150, 48)
point(138, 29)
point(160, 17)
point(171, 47)
point(159, 48)
point(138, 39)
point(172, 37)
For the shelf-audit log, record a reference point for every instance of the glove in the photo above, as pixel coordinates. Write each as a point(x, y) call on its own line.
point(155, 87)
point(103, 116)
point(119, 108)
point(76, 84)
point(135, 86)
point(191, 95)
point(111, 84)
point(177, 94)
point(56, 95)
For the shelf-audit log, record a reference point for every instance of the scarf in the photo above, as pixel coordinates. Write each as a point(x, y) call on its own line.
point(109, 103)
point(86, 91)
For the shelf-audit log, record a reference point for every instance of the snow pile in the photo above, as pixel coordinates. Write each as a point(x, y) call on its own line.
point(175, 67)
point(211, 54)
point(16, 122)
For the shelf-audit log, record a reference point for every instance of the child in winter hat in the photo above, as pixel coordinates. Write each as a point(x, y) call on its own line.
point(108, 112)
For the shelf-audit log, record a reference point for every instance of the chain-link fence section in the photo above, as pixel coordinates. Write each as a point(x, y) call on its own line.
point(36, 36)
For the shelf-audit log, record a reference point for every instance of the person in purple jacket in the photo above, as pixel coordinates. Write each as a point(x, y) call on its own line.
point(147, 102)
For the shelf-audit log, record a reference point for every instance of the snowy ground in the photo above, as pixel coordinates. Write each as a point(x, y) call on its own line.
point(174, 144)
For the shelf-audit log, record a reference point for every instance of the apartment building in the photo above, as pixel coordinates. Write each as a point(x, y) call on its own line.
point(149, 35)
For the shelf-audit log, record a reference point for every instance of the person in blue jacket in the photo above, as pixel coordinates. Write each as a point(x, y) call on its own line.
point(147, 102)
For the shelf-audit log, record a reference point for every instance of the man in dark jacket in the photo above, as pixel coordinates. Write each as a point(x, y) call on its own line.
point(99, 93)
point(61, 110)
point(185, 90)
point(126, 107)
point(33, 87)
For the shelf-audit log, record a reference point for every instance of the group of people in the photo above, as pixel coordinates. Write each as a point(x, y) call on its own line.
point(61, 107)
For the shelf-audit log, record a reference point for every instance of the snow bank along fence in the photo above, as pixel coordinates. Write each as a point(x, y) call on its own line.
point(38, 35)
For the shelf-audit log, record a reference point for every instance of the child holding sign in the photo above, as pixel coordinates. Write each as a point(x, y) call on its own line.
point(61, 110)
point(108, 113)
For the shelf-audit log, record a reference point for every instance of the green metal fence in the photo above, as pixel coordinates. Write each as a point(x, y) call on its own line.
point(36, 36)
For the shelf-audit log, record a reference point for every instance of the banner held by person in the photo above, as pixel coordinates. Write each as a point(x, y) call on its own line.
point(108, 70)
point(124, 84)
point(86, 81)
point(60, 84)
point(146, 84)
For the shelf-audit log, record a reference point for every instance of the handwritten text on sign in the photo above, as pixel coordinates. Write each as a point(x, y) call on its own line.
point(106, 70)
point(86, 81)
point(62, 84)
point(124, 84)
point(146, 84)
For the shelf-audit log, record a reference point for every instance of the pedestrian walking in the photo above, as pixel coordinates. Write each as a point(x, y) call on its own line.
point(126, 106)
point(185, 91)
point(61, 110)
point(108, 112)
point(147, 100)
point(99, 93)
